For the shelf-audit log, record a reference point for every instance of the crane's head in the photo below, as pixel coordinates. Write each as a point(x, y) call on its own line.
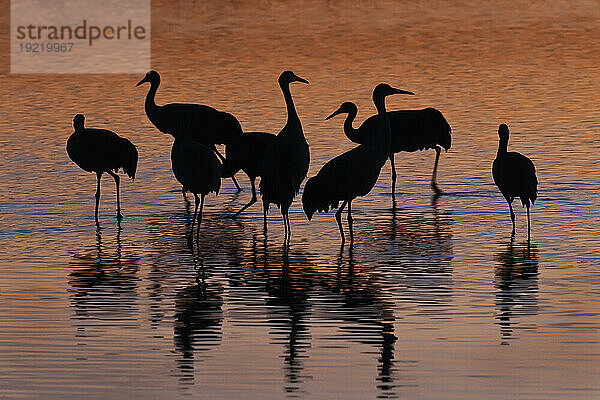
point(151, 76)
point(288, 77)
point(347, 107)
point(78, 122)
point(383, 90)
point(503, 132)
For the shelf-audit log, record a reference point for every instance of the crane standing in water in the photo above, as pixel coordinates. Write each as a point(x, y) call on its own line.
point(198, 169)
point(205, 124)
point(412, 130)
point(286, 160)
point(247, 152)
point(99, 151)
point(355, 172)
point(514, 174)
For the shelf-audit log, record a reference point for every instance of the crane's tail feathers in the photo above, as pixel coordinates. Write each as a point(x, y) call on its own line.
point(316, 197)
point(308, 197)
point(130, 158)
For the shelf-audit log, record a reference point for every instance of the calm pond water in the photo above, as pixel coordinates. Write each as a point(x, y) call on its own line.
point(433, 301)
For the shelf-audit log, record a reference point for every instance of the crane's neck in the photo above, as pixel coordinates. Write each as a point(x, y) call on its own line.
point(150, 104)
point(349, 130)
point(382, 140)
point(79, 128)
point(502, 146)
point(289, 102)
point(379, 102)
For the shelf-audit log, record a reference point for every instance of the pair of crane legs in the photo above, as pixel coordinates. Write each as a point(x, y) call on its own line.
point(117, 182)
point(509, 200)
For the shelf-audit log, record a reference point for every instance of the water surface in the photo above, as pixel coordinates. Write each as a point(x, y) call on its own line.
point(433, 301)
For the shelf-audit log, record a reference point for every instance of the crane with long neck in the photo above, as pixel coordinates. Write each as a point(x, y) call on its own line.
point(353, 173)
point(286, 160)
point(206, 125)
point(411, 130)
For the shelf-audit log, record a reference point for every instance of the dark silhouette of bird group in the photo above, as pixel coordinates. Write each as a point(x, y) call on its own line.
point(281, 161)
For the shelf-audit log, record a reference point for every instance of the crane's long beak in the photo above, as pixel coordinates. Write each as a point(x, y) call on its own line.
point(334, 114)
point(400, 91)
point(298, 79)
point(142, 81)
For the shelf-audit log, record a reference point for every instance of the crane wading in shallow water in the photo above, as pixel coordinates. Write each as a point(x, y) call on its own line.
point(205, 124)
point(412, 130)
point(198, 169)
point(247, 151)
point(99, 151)
point(286, 160)
point(355, 172)
point(514, 174)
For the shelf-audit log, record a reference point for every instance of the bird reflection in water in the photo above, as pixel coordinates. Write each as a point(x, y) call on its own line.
point(292, 281)
point(104, 285)
point(288, 308)
point(171, 260)
point(417, 268)
point(516, 281)
point(198, 319)
point(368, 313)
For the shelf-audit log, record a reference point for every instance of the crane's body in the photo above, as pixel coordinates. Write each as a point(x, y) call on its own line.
point(355, 172)
point(247, 152)
point(286, 159)
point(204, 124)
point(198, 170)
point(514, 174)
point(100, 151)
point(411, 130)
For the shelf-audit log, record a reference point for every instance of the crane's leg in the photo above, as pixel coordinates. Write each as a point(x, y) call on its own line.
point(117, 181)
point(512, 216)
point(265, 211)
point(288, 230)
point(199, 218)
point(191, 236)
point(183, 193)
point(350, 222)
point(252, 201)
point(286, 223)
point(338, 217)
point(393, 176)
point(528, 224)
point(237, 186)
point(434, 185)
point(98, 175)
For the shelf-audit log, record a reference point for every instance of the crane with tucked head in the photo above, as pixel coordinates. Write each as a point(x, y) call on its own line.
point(514, 174)
point(412, 130)
point(286, 159)
point(355, 172)
point(205, 124)
point(100, 151)
point(198, 169)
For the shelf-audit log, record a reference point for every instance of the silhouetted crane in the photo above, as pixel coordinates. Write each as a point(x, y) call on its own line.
point(198, 169)
point(412, 130)
point(514, 174)
point(99, 151)
point(247, 152)
point(355, 172)
point(206, 125)
point(286, 159)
